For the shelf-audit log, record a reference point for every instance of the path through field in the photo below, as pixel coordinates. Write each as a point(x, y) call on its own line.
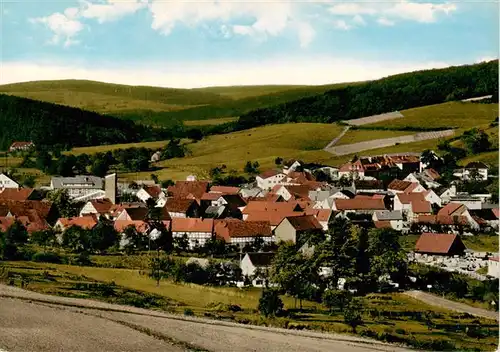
point(451, 305)
point(387, 142)
point(35, 322)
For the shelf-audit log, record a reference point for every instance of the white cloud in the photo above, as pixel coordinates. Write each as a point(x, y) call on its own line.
point(359, 20)
point(486, 59)
point(341, 24)
point(385, 22)
point(320, 70)
point(424, 12)
point(112, 10)
point(306, 33)
point(63, 25)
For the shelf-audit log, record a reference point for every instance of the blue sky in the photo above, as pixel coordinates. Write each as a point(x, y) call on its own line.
point(203, 43)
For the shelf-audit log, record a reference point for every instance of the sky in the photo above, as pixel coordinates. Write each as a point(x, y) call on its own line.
point(187, 44)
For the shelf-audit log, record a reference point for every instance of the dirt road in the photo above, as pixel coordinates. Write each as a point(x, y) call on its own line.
point(451, 305)
point(37, 323)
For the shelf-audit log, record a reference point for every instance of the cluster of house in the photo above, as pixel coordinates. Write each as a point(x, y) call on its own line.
point(281, 205)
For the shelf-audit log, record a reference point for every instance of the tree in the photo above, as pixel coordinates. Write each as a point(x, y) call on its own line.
point(278, 161)
point(352, 314)
point(181, 244)
point(174, 149)
point(195, 134)
point(270, 303)
point(62, 202)
point(477, 141)
point(29, 180)
point(336, 299)
point(167, 183)
point(77, 239)
point(155, 178)
point(43, 160)
point(251, 168)
point(99, 168)
point(44, 238)
point(15, 237)
point(215, 246)
point(104, 235)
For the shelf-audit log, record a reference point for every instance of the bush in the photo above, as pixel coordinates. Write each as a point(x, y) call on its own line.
point(48, 257)
point(400, 331)
point(270, 303)
point(188, 312)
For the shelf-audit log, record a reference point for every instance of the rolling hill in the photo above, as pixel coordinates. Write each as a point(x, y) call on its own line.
point(160, 106)
point(48, 124)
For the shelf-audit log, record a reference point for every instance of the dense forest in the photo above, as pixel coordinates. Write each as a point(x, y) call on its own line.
point(43, 123)
point(389, 94)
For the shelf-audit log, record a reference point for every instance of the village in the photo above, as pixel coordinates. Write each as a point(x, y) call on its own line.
point(287, 204)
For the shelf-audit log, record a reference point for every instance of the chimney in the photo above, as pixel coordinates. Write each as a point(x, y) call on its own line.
point(110, 187)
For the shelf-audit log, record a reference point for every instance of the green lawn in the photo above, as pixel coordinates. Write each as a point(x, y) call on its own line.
point(389, 317)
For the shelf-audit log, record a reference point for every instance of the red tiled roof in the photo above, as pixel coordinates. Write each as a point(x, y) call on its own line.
point(153, 191)
point(224, 189)
point(273, 217)
point(192, 225)
point(228, 228)
point(185, 189)
point(210, 196)
point(137, 213)
point(495, 259)
point(140, 226)
point(407, 198)
point(359, 204)
point(320, 214)
point(438, 243)
point(452, 209)
point(31, 225)
point(85, 222)
point(16, 194)
point(382, 224)
point(269, 173)
point(420, 206)
point(442, 220)
point(399, 185)
point(103, 206)
point(254, 206)
point(177, 205)
point(300, 192)
point(304, 223)
point(27, 207)
point(433, 174)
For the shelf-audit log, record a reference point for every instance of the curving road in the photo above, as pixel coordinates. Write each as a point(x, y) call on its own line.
point(40, 323)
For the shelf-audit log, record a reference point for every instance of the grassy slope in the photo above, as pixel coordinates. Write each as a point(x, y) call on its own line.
point(61, 280)
point(157, 105)
point(453, 114)
point(356, 136)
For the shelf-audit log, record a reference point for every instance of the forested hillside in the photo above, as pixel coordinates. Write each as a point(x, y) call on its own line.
point(393, 93)
point(24, 119)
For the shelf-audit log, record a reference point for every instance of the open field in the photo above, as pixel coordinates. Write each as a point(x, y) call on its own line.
point(241, 92)
point(395, 317)
point(489, 158)
point(209, 122)
point(375, 118)
point(105, 148)
point(453, 114)
point(263, 144)
point(368, 145)
point(356, 136)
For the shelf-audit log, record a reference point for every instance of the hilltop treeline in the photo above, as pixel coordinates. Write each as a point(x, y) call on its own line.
point(393, 93)
point(23, 119)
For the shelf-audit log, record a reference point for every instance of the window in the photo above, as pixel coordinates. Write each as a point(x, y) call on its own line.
point(258, 282)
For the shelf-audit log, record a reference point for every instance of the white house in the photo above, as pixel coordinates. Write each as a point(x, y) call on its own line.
point(402, 201)
point(197, 230)
point(494, 267)
point(147, 192)
point(7, 182)
point(99, 207)
point(446, 193)
point(477, 167)
point(432, 197)
point(78, 186)
point(269, 179)
point(394, 219)
point(241, 232)
point(253, 263)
